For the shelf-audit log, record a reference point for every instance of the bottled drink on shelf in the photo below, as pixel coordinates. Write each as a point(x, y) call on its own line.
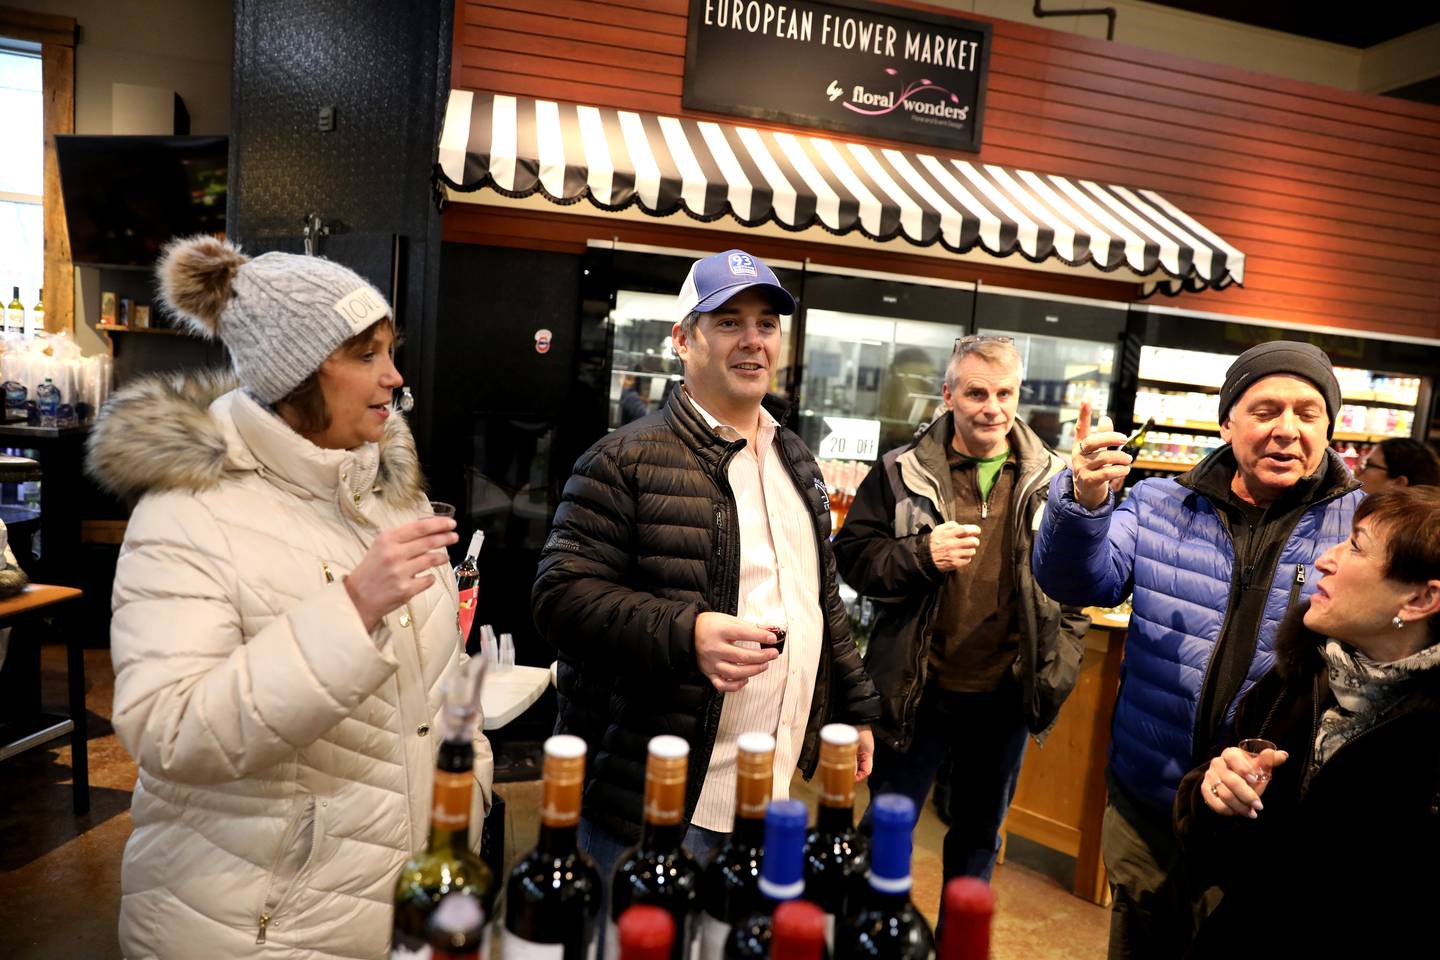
point(37, 315)
point(456, 928)
point(646, 932)
point(658, 870)
point(729, 887)
point(836, 853)
point(968, 905)
point(15, 314)
point(447, 864)
point(47, 400)
point(467, 584)
point(552, 897)
point(782, 878)
point(797, 931)
point(884, 923)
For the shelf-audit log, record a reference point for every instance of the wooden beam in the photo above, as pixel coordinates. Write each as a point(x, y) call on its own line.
point(57, 71)
point(41, 28)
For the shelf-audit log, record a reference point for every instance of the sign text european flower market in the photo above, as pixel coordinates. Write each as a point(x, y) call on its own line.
point(849, 65)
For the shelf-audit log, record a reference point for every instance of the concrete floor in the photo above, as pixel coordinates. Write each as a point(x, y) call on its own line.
point(60, 874)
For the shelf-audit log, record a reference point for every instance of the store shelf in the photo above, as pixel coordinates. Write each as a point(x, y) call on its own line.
point(649, 373)
point(1180, 385)
point(1373, 401)
point(1366, 437)
point(1367, 398)
point(1189, 425)
point(116, 328)
point(1161, 465)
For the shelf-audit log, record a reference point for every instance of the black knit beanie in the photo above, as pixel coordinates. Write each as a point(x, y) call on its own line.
point(1303, 360)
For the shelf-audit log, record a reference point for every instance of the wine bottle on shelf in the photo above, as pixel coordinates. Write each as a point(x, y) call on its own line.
point(467, 584)
point(552, 897)
point(968, 905)
point(837, 855)
point(15, 314)
point(797, 931)
point(659, 870)
point(646, 932)
point(37, 315)
point(729, 887)
point(884, 923)
point(456, 928)
point(782, 878)
point(447, 864)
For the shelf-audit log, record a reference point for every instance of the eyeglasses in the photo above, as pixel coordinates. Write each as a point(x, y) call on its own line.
point(1368, 464)
point(962, 344)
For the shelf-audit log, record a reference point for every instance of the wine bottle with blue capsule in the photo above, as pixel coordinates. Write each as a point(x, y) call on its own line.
point(884, 923)
point(782, 879)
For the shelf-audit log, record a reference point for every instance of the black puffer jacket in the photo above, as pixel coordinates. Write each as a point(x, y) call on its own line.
point(646, 539)
point(1343, 866)
point(884, 553)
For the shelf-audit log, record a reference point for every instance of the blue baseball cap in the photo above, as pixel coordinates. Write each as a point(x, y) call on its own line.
point(715, 279)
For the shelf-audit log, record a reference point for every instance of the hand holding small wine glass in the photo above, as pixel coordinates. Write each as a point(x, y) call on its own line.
point(1235, 780)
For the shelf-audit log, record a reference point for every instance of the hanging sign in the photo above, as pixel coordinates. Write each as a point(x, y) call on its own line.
point(849, 65)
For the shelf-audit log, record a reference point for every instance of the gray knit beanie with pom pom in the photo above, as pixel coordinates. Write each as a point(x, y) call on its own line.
point(280, 315)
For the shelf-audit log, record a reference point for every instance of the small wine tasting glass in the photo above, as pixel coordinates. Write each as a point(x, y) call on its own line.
point(1253, 747)
point(442, 509)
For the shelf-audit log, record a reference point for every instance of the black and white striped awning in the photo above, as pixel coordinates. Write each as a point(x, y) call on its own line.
point(615, 158)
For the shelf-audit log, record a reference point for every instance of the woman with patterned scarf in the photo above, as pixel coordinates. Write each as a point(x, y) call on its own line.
point(1329, 845)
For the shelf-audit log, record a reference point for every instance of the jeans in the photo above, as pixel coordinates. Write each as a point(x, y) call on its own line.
point(606, 849)
point(985, 734)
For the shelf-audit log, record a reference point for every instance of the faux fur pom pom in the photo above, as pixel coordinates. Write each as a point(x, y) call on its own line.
point(196, 274)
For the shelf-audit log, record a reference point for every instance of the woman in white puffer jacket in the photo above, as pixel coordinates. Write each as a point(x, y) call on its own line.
point(284, 619)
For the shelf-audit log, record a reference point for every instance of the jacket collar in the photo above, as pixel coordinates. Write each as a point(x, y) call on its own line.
point(190, 431)
point(1212, 476)
point(693, 428)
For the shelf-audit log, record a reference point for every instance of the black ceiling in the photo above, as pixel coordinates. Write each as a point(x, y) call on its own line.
point(1353, 25)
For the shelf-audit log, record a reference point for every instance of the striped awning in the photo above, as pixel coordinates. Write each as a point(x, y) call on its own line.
point(617, 158)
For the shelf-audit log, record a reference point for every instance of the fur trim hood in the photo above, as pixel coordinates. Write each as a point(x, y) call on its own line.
point(161, 433)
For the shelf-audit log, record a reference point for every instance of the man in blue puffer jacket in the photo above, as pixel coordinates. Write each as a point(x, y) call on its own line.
point(1212, 560)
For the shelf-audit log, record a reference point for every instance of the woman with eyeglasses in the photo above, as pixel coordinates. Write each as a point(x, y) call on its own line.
point(1324, 836)
point(1398, 462)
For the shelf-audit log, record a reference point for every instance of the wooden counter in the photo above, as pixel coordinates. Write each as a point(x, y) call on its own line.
point(1060, 799)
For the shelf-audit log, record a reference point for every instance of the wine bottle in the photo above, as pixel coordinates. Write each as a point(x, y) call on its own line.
point(1136, 443)
point(467, 584)
point(456, 928)
point(837, 855)
point(884, 923)
point(447, 864)
point(37, 315)
point(646, 933)
point(659, 870)
point(15, 313)
point(968, 904)
point(729, 887)
point(552, 897)
point(782, 878)
point(797, 931)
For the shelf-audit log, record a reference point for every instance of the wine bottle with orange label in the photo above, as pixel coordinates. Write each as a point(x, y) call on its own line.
point(447, 864)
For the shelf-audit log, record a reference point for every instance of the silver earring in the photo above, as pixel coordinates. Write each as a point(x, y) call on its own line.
point(1399, 622)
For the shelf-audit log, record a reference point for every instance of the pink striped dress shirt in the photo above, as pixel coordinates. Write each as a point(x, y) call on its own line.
point(779, 586)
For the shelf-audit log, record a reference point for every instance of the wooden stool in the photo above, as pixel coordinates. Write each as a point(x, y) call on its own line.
point(35, 603)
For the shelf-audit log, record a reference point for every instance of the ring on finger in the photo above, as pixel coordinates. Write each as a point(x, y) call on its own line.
point(1215, 788)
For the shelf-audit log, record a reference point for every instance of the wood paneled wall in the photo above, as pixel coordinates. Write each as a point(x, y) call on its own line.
point(1333, 196)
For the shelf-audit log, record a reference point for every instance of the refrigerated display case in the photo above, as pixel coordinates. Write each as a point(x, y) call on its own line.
point(1180, 389)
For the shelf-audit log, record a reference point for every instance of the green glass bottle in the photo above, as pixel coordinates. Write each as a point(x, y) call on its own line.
point(447, 864)
point(1136, 443)
point(15, 314)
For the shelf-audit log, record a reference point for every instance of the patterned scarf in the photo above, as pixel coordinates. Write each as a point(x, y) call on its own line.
point(1365, 691)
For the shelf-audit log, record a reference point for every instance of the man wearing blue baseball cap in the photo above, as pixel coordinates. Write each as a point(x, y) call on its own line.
point(688, 582)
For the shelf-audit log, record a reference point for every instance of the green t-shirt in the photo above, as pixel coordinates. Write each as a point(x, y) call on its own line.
point(986, 470)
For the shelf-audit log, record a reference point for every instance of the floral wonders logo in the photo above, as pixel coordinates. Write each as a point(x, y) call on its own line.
point(919, 97)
